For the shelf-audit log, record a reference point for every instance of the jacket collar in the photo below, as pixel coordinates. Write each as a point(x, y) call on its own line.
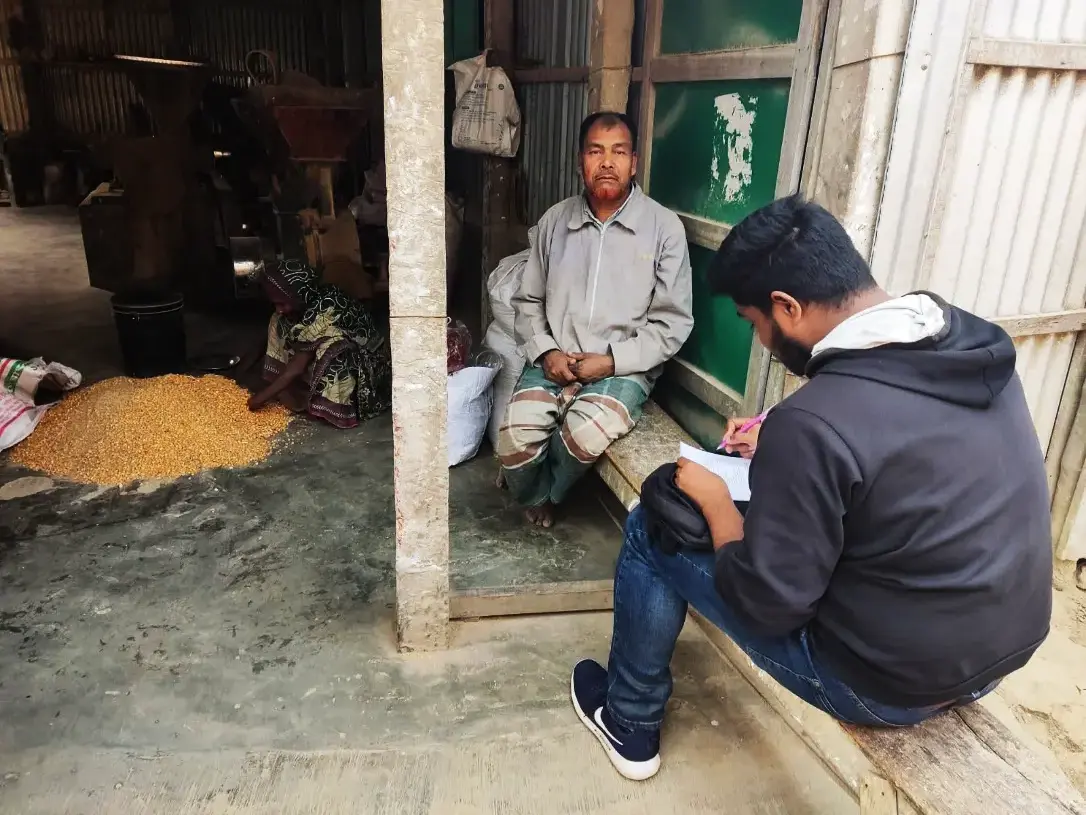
point(628, 214)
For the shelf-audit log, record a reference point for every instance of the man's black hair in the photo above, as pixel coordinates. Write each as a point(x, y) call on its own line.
point(608, 119)
point(792, 246)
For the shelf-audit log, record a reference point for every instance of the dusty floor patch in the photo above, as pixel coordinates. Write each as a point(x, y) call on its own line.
point(559, 774)
point(25, 487)
point(1048, 696)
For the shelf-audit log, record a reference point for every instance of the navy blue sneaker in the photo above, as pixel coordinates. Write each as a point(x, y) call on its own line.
point(635, 753)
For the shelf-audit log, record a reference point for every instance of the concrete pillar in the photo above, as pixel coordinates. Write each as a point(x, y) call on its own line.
point(609, 55)
point(412, 58)
point(859, 117)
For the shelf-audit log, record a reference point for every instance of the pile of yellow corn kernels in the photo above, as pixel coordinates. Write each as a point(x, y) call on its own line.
point(122, 430)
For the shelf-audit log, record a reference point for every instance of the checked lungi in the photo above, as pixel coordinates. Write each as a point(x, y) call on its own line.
point(552, 435)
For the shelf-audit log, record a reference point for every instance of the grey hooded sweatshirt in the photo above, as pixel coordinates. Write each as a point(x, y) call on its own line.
point(622, 287)
point(899, 509)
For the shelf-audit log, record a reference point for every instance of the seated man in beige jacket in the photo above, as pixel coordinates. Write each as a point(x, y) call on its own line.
point(604, 302)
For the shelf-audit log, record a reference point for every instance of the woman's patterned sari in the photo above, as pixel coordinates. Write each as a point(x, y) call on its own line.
point(350, 379)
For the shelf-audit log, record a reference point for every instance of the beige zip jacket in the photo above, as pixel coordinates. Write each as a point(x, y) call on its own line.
point(622, 287)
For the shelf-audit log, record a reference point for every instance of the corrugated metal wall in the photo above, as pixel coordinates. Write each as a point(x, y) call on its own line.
point(78, 29)
point(550, 34)
point(13, 113)
point(1009, 238)
point(90, 98)
point(552, 114)
point(985, 193)
point(224, 33)
point(1036, 20)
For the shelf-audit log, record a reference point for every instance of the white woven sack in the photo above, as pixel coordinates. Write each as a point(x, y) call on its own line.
point(469, 410)
point(19, 383)
point(504, 282)
point(505, 346)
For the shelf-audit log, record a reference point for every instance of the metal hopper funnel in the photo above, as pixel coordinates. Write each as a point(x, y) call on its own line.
point(170, 88)
point(314, 123)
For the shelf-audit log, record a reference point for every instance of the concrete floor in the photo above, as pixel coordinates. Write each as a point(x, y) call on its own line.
point(224, 643)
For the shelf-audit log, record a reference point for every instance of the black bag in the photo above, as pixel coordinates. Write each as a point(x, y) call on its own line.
point(672, 520)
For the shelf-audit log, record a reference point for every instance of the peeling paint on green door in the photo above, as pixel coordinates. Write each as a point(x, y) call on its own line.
point(716, 151)
point(715, 155)
point(716, 146)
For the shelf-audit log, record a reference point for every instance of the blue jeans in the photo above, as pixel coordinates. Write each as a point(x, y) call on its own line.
point(652, 592)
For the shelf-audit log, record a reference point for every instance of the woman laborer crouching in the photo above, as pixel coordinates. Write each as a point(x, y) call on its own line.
point(326, 355)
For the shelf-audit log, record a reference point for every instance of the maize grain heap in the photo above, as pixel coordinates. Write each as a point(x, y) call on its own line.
point(122, 430)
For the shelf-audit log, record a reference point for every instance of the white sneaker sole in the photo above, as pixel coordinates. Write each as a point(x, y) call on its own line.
point(632, 770)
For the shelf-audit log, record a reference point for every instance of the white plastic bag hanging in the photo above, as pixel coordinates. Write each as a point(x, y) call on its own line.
point(487, 116)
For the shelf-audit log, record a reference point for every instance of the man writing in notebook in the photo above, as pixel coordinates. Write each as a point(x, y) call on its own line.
point(604, 302)
point(895, 559)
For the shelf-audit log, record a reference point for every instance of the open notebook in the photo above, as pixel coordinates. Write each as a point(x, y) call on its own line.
point(735, 472)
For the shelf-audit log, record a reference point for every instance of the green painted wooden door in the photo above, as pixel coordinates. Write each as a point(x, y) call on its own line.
point(463, 29)
point(716, 113)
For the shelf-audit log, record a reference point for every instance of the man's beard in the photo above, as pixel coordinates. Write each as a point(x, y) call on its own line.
point(609, 191)
point(791, 354)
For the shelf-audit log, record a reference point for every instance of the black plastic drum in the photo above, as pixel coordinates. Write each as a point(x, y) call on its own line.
point(151, 329)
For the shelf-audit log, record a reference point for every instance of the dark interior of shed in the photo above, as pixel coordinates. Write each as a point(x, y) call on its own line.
point(187, 145)
point(199, 141)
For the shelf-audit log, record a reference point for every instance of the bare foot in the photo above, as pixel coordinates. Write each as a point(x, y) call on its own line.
point(541, 516)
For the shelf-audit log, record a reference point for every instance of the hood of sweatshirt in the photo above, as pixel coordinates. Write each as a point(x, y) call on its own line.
point(920, 343)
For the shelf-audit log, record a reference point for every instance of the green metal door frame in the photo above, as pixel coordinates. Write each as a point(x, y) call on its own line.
point(798, 62)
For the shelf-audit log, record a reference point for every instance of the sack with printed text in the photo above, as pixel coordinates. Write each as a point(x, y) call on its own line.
point(27, 390)
point(487, 116)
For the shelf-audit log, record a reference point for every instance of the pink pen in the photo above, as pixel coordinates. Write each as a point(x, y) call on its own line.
point(748, 425)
